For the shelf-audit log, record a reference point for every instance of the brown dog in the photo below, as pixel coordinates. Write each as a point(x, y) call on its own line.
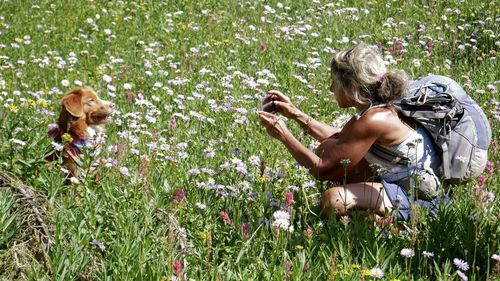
point(80, 125)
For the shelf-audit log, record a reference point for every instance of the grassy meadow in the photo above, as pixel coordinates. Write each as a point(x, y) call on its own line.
point(191, 187)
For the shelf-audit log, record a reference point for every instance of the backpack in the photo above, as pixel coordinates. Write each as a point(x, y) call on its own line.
point(458, 126)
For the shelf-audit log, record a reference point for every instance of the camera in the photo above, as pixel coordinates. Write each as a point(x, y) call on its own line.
point(270, 106)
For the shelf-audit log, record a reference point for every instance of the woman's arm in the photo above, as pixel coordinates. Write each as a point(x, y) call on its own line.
point(276, 101)
point(350, 144)
point(314, 128)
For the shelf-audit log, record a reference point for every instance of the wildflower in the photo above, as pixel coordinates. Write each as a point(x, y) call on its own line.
point(98, 245)
point(309, 184)
point(65, 83)
point(200, 206)
point(107, 78)
point(225, 217)
point(57, 146)
point(345, 219)
point(67, 137)
point(489, 167)
point(489, 197)
point(281, 219)
point(262, 47)
point(289, 199)
point(308, 231)
point(172, 122)
point(299, 248)
point(407, 252)
point(177, 268)
point(345, 162)
point(124, 171)
point(460, 264)
point(496, 257)
point(18, 142)
point(462, 275)
point(376, 273)
point(245, 227)
point(74, 180)
point(179, 195)
point(288, 265)
point(427, 254)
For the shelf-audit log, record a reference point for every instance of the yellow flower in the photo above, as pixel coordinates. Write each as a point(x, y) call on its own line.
point(225, 41)
point(345, 272)
point(43, 103)
point(13, 108)
point(67, 137)
point(299, 248)
point(263, 179)
point(366, 272)
point(30, 102)
point(356, 266)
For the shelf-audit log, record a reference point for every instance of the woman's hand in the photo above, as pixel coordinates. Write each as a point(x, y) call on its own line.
point(275, 127)
point(275, 101)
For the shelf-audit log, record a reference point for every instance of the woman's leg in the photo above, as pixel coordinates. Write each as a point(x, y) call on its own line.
point(341, 200)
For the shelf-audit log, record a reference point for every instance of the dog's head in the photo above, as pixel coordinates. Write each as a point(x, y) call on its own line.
point(84, 104)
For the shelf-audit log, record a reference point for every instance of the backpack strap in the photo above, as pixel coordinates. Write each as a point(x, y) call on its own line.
point(387, 155)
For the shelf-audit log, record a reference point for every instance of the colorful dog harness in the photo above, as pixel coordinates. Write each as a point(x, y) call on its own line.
point(79, 147)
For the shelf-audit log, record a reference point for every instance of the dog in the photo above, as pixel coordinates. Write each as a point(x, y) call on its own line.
point(80, 126)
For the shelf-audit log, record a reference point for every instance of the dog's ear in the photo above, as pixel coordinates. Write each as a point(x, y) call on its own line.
point(72, 103)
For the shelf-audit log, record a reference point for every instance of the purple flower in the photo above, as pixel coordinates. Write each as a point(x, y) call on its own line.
point(245, 227)
point(99, 245)
point(460, 264)
point(179, 195)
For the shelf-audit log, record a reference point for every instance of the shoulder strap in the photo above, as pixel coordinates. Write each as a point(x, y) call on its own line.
point(388, 155)
point(362, 112)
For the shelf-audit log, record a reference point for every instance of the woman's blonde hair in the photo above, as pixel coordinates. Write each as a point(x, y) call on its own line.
point(362, 74)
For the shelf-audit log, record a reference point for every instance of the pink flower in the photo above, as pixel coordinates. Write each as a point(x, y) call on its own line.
point(129, 96)
point(262, 47)
point(245, 227)
point(308, 231)
point(289, 199)
point(177, 268)
point(345, 219)
point(288, 266)
point(172, 122)
point(179, 195)
point(429, 46)
point(489, 167)
point(225, 217)
point(481, 182)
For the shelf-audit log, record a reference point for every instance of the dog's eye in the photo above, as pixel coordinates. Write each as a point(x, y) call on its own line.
point(90, 101)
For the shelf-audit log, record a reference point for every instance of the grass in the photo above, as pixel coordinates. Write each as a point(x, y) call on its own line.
point(187, 78)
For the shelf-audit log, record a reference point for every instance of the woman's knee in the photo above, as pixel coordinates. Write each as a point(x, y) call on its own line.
point(335, 201)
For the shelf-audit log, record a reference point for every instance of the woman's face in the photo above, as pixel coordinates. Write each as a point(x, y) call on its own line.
point(342, 99)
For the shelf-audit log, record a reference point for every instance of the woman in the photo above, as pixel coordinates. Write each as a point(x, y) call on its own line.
point(360, 79)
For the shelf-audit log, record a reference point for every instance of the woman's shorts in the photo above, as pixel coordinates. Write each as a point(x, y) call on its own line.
point(401, 202)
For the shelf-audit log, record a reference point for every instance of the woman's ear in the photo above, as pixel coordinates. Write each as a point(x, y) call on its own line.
point(72, 103)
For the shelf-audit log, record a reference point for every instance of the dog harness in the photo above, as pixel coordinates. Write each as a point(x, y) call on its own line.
point(79, 147)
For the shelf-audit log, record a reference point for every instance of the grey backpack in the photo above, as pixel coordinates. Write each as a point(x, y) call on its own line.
point(458, 126)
